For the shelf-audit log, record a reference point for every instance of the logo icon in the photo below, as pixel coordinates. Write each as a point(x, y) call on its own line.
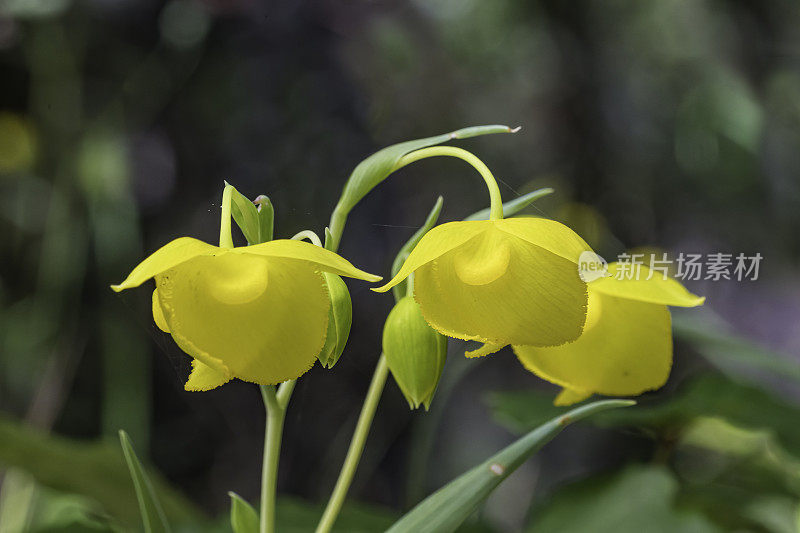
point(591, 267)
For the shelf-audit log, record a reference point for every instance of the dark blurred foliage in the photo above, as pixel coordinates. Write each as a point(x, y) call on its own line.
point(669, 124)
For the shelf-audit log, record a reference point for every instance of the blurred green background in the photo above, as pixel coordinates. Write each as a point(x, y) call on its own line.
point(665, 124)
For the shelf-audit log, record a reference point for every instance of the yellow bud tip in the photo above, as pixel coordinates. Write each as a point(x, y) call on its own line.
point(117, 288)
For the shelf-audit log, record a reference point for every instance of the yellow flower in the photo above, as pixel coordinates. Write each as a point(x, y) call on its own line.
point(626, 346)
point(257, 313)
point(507, 281)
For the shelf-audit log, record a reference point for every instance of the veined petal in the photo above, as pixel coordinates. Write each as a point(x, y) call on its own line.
point(658, 289)
point(204, 378)
point(625, 349)
point(323, 259)
point(436, 243)
point(168, 256)
point(258, 319)
point(516, 294)
point(158, 314)
point(548, 234)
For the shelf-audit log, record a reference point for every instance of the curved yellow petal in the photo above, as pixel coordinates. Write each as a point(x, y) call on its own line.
point(625, 349)
point(258, 319)
point(436, 243)
point(548, 234)
point(168, 256)
point(499, 289)
point(570, 396)
point(484, 349)
point(158, 314)
point(323, 259)
point(204, 378)
point(658, 289)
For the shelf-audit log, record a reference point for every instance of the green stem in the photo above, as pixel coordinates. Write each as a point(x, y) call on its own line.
point(496, 202)
point(225, 236)
point(338, 219)
point(308, 234)
point(356, 447)
point(275, 404)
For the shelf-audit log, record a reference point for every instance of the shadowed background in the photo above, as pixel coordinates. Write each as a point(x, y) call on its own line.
point(668, 125)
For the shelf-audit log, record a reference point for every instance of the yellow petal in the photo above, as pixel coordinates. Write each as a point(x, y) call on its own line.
point(626, 349)
point(323, 259)
point(204, 378)
point(570, 396)
point(158, 314)
point(258, 319)
point(484, 349)
point(436, 243)
point(532, 297)
point(168, 256)
point(657, 289)
point(548, 234)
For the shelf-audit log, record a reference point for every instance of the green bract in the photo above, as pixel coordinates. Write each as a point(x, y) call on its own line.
point(414, 351)
point(340, 317)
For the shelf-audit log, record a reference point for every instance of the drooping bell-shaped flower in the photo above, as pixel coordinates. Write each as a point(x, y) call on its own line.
point(258, 313)
point(500, 281)
point(626, 346)
point(414, 352)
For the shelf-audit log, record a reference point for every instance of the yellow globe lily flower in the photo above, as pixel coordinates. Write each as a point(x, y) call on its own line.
point(500, 281)
point(626, 346)
point(258, 313)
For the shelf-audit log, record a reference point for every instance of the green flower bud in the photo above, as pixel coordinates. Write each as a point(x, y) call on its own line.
point(340, 318)
point(414, 351)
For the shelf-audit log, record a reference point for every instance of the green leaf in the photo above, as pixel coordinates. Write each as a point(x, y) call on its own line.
point(638, 499)
point(710, 395)
point(399, 290)
point(244, 519)
point(96, 470)
point(67, 513)
point(732, 354)
point(377, 167)
point(245, 215)
point(512, 207)
point(149, 506)
point(447, 508)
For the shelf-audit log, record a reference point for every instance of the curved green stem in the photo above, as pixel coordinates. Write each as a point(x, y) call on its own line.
point(356, 447)
point(307, 234)
point(225, 236)
point(496, 202)
point(338, 218)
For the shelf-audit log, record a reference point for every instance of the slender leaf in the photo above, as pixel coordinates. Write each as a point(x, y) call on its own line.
point(244, 519)
point(377, 167)
point(153, 517)
point(512, 207)
point(399, 290)
point(447, 508)
point(245, 215)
